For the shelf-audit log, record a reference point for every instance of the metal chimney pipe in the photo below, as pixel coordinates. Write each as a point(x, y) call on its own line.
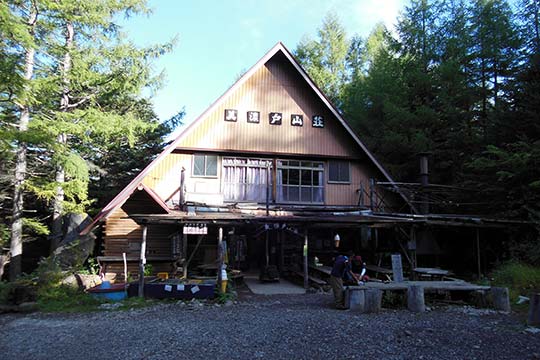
point(424, 181)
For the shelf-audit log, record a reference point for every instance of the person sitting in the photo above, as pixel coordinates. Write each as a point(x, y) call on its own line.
point(358, 269)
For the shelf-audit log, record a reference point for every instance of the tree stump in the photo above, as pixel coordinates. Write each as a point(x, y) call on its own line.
point(501, 299)
point(372, 300)
point(355, 299)
point(534, 310)
point(415, 298)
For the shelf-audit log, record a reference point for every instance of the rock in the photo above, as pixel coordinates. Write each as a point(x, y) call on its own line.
point(81, 281)
point(74, 249)
point(228, 303)
point(110, 306)
point(28, 306)
point(532, 330)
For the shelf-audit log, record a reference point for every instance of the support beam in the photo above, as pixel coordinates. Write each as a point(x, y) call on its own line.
point(142, 261)
point(305, 253)
point(372, 194)
point(220, 258)
point(184, 255)
point(478, 253)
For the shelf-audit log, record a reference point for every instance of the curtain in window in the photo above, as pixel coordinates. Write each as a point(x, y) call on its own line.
point(244, 179)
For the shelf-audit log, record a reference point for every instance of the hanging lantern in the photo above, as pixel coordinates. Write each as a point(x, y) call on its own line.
point(337, 239)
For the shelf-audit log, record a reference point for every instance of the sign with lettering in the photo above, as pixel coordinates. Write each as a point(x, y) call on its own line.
point(253, 117)
point(231, 115)
point(275, 118)
point(317, 121)
point(195, 229)
point(297, 120)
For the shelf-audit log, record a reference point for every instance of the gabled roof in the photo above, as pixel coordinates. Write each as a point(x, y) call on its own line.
point(120, 200)
point(279, 47)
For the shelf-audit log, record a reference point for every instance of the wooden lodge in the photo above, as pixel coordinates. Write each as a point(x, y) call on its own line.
point(273, 170)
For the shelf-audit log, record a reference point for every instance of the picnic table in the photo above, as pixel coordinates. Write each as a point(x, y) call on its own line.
point(431, 273)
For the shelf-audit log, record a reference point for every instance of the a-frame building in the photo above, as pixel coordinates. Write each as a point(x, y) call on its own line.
point(272, 156)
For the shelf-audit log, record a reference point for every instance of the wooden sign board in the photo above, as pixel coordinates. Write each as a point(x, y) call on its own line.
point(195, 229)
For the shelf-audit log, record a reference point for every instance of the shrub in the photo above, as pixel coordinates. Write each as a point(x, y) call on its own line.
point(521, 279)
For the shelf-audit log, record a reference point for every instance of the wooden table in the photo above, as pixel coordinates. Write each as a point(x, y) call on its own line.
point(431, 273)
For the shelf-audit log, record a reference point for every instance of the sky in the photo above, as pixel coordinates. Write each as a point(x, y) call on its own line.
point(218, 40)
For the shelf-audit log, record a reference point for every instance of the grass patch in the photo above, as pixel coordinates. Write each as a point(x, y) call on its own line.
point(520, 279)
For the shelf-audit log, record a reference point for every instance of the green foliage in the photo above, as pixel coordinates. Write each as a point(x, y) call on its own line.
point(35, 227)
point(521, 279)
point(148, 270)
point(90, 267)
point(63, 298)
point(4, 235)
point(326, 58)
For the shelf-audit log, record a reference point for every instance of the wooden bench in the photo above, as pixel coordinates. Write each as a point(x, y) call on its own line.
point(415, 293)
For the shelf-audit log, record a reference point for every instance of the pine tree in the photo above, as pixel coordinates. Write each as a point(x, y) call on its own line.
point(325, 59)
point(79, 93)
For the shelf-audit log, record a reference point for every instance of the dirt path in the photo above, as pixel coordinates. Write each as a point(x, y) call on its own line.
point(285, 327)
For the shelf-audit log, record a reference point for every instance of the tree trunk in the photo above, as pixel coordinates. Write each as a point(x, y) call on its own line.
point(16, 245)
point(56, 237)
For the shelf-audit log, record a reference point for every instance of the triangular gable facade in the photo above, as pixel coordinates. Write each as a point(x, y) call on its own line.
point(276, 84)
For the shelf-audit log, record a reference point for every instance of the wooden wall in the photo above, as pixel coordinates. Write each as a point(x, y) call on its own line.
point(275, 87)
point(121, 234)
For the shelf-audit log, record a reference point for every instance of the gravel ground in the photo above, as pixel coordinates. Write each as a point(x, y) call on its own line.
point(272, 327)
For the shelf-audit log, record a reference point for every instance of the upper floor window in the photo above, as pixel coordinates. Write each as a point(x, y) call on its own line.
point(205, 165)
point(300, 181)
point(339, 171)
point(246, 179)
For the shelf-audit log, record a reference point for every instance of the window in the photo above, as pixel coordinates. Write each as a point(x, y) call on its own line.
point(339, 171)
point(245, 179)
point(300, 181)
point(205, 165)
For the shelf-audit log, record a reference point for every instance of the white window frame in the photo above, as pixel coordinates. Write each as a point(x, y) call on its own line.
point(300, 186)
point(205, 159)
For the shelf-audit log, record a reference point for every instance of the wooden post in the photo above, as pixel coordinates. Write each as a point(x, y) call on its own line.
point(181, 198)
point(184, 254)
point(267, 188)
point(220, 257)
point(478, 252)
point(125, 268)
point(372, 194)
point(534, 310)
point(415, 298)
point(142, 261)
point(305, 254)
point(266, 253)
point(281, 250)
point(411, 245)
